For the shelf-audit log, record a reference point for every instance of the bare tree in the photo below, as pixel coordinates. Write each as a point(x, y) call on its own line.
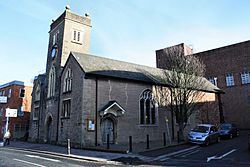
point(185, 77)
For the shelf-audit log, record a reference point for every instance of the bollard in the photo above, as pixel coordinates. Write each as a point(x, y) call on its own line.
point(249, 143)
point(178, 137)
point(68, 146)
point(107, 141)
point(147, 141)
point(164, 139)
point(130, 144)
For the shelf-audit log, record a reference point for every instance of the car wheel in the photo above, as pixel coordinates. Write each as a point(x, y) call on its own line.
point(231, 136)
point(207, 142)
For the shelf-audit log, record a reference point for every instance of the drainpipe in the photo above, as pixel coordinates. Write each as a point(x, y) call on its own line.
point(39, 112)
point(220, 108)
point(58, 111)
point(96, 112)
point(172, 113)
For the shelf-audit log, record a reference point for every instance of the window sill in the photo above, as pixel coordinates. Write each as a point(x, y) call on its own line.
point(65, 117)
point(67, 92)
point(80, 43)
point(35, 119)
point(148, 125)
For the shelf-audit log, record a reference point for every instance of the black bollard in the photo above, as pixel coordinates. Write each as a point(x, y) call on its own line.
point(164, 139)
point(178, 136)
point(147, 141)
point(130, 144)
point(107, 141)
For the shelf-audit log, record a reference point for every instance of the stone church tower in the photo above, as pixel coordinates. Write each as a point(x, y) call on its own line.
point(69, 32)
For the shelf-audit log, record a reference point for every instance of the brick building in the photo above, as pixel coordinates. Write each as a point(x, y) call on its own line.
point(84, 97)
point(15, 95)
point(228, 68)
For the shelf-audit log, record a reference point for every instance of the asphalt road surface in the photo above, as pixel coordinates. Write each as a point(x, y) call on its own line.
point(228, 153)
point(19, 158)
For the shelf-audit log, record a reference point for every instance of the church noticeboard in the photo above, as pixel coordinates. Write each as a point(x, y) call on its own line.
point(90, 125)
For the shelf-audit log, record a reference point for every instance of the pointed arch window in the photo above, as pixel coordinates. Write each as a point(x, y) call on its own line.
point(52, 82)
point(37, 93)
point(67, 83)
point(148, 108)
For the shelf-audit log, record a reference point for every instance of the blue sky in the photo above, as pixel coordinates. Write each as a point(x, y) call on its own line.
point(128, 30)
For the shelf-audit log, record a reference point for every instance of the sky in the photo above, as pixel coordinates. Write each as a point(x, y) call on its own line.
point(127, 30)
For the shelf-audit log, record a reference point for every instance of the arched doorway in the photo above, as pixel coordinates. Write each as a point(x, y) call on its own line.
point(108, 127)
point(48, 129)
point(109, 119)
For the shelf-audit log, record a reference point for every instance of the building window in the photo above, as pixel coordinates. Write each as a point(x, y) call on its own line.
point(22, 93)
point(67, 83)
point(77, 36)
point(20, 130)
point(245, 78)
point(66, 108)
point(52, 82)
point(9, 94)
point(55, 38)
point(36, 113)
point(147, 108)
point(1, 112)
point(213, 80)
point(37, 93)
point(230, 80)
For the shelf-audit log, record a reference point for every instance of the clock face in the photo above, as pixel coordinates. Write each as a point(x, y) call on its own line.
point(54, 52)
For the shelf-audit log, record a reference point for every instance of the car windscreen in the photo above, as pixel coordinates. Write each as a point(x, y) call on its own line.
point(225, 126)
point(202, 129)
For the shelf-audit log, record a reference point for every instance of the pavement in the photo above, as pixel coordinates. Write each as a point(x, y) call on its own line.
point(102, 156)
point(89, 155)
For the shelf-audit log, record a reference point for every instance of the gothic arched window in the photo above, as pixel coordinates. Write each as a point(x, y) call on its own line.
point(37, 93)
point(52, 82)
point(67, 82)
point(148, 108)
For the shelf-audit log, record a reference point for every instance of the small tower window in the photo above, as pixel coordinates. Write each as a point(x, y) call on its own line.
point(52, 82)
point(74, 38)
point(77, 36)
point(55, 38)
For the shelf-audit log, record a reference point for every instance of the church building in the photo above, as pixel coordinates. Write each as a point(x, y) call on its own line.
point(85, 98)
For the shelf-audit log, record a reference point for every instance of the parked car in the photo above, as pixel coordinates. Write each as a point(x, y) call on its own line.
point(204, 134)
point(228, 130)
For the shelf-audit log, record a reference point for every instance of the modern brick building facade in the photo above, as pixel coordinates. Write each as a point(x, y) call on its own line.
point(18, 97)
point(86, 98)
point(228, 68)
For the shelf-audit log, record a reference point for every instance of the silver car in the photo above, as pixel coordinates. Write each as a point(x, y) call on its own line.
point(204, 134)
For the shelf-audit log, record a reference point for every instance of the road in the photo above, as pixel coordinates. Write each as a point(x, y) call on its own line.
point(20, 158)
point(229, 152)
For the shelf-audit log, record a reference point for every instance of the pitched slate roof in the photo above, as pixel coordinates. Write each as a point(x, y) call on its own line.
point(119, 69)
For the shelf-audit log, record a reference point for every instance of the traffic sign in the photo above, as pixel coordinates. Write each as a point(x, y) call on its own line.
point(11, 112)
